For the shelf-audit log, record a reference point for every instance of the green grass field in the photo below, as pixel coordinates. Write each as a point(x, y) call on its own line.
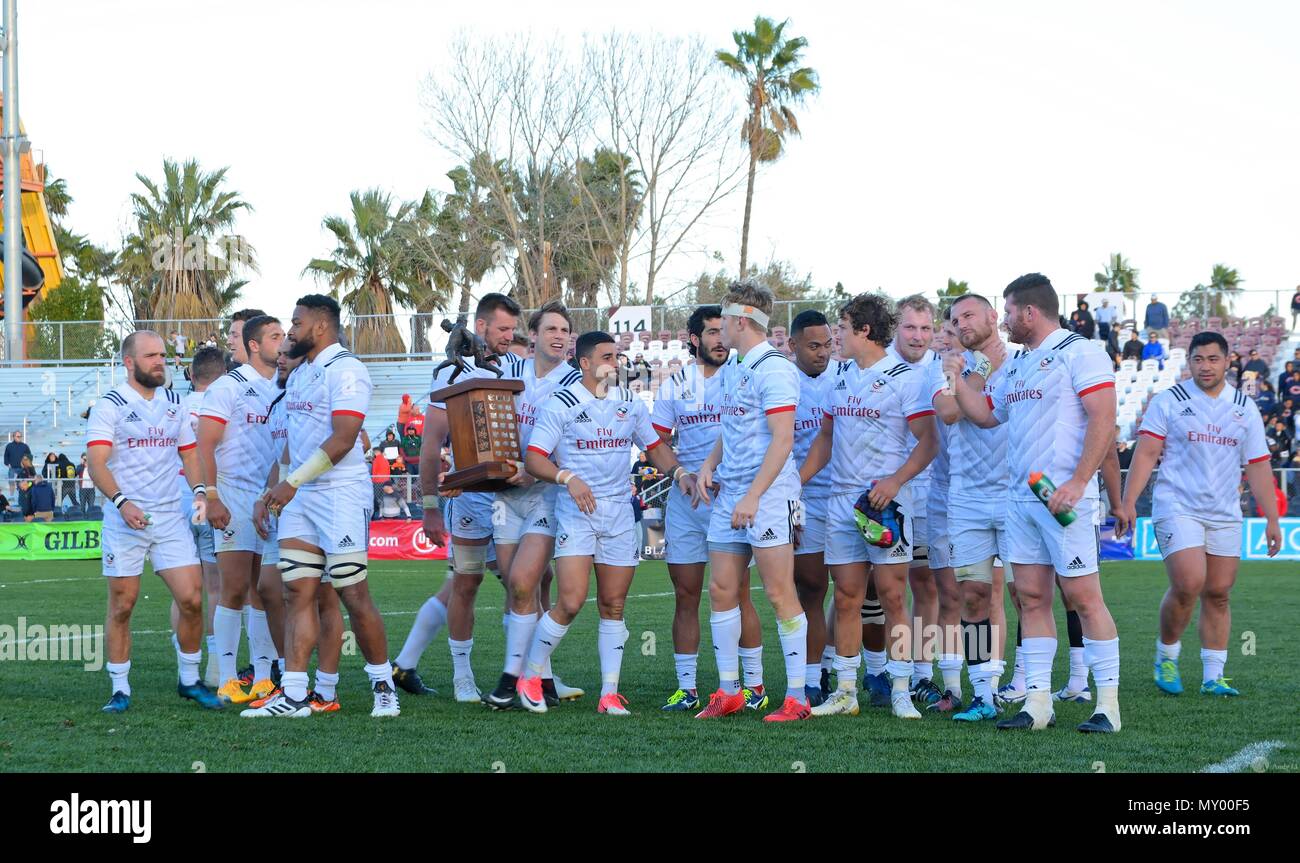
point(50, 719)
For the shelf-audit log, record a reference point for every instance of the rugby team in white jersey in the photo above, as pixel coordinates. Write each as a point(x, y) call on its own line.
point(980, 457)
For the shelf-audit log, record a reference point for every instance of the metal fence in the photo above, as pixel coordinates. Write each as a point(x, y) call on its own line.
point(405, 335)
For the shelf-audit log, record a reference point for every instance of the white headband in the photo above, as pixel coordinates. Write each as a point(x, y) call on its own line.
point(750, 312)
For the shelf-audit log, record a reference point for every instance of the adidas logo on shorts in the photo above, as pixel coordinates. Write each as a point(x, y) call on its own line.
point(1187, 412)
point(582, 418)
point(768, 535)
point(346, 542)
point(899, 551)
point(1076, 564)
point(541, 522)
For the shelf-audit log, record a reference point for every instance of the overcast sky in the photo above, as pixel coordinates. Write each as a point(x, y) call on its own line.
point(971, 140)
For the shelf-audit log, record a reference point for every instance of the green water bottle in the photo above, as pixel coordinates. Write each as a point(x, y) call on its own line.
point(1044, 487)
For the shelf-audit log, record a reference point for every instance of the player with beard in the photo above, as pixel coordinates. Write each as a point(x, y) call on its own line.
point(810, 341)
point(134, 437)
point(324, 506)
point(689, 403)
point(589, 428)
point(524, 523)
point(1058, 401)
point(495, 318)
point(979, 492)
point(236, 451)
point(322, 696)
point(874, 409)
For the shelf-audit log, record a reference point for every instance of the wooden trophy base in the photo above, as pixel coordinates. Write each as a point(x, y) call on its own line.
point(491, 476)
point(484, 433)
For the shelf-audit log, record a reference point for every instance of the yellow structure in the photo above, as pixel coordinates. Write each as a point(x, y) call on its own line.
point(38, 229)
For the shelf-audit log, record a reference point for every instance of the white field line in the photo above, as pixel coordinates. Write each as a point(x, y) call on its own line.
point(1245, 758)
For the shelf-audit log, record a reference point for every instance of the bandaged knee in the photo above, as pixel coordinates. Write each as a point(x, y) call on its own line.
point(981, 572)
point(469, 559)
point(295, 563)
point(345, 570)
point(872, 613)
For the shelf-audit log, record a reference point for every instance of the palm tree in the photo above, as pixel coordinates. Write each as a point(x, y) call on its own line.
point(367, 271)
point(774, 80)
point(182, 258)
point(610, 196)
point(955, 289)
point(1119, 276)
point(1213, 300)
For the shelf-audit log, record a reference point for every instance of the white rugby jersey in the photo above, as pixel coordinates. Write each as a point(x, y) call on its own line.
point(939, 468)
point(1040, 400)
point(336, 382)
point(764, 382)
point(146, 437)
point(279, 423)
point(192, 401)
point(594, 437)
point(536, 392)
point(1207, 441)
point(871, 409)
point(692, 404)
point(241, 401)
point(808, 424)
point(920, 484)
point(978, 472)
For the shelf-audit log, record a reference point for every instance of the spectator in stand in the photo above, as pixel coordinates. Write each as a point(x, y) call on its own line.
point(1124, 450)
point(1081, 321)
point(411, 446)
point(1154, 349)
point(404, 411)
point(1256, 365)
point(26, 473)
point(380, 471)
point(41, 500)
point(391, 504)
point(1289, 384)
point(399, 474)
point(5, 507)
point(15, 452)
point(87, 485)
point(50, 467)
point(519, 346)
point(1295, 310)
point(1133, 348)
point(1234, 368)
point(1105, 317)
point(180, 343)
point(391, 447)
point(1157, 317)
point(1284, 379)
point(1265, 398)
point(67, 481)
point(641, 371)
point(1281, 502)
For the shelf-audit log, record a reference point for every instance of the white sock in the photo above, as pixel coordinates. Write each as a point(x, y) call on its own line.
point(846, 672)
point(519, 634)
point(1078, 669)
point(794, 644)
point(1212, 662)
point(610, 638)
point(1038, 654)
point(725, 626)
point(461, 653)
point(190, 667)
point(686, 664)
point(950, 667)
point(294, 684)
point(225, 628)
point(1103, 658)
point(981, 682)
point(751, 661)
point(922, 670)
point(279, 661)
point(209, 640)
point(505, 621)
point(118, 672)
point(1018, 675)
point(327, 684)
point(900, 671)
point(547, 674)
point(996, 668)
point(828, 657)
point(545, 639)
point(428, 620)
point(812, 675)
point(260, 644)
point(381, 673)
point(877, 661)
point(1168, 651)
